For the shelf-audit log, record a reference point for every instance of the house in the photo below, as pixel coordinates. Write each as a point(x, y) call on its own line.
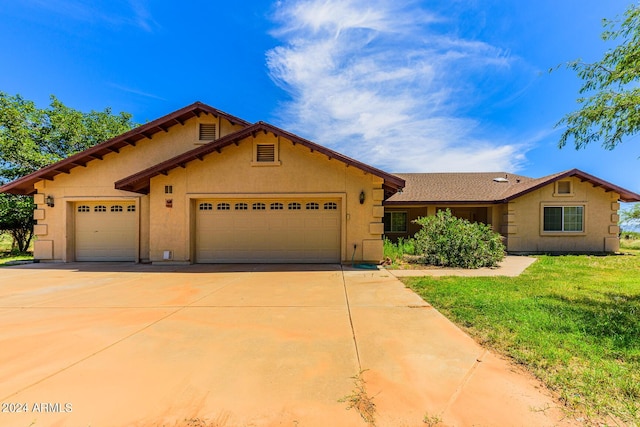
point(202, 186)
point(569, 211)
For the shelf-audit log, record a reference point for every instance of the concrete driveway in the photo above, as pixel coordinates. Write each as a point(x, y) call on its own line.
point(139, 345)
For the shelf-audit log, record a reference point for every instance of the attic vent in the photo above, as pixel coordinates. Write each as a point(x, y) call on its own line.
point(500, 179)
point(207, 132)
point(266, 153)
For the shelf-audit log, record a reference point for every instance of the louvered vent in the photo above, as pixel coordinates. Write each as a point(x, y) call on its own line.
point(266, 153)
point(207, 131)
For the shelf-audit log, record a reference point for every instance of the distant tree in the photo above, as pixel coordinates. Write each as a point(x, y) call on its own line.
point(631, 216)
point(610, 105)
point(31, 138)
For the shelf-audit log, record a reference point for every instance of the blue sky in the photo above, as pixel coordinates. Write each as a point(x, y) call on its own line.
point(413, 86)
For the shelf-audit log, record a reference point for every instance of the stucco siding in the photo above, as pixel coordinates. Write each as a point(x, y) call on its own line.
point(524, 220)
point(233, 174)
point(96, 182)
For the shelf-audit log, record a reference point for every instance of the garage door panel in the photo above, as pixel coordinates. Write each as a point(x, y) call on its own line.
point(105, 231)
point(270, 235)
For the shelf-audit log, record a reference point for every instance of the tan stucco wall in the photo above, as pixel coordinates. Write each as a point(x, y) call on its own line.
point(232, 173)
point(96, 182)
point(523, 220)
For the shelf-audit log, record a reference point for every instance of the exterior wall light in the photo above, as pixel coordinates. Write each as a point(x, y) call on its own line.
point(362, 197)
point(49, 201)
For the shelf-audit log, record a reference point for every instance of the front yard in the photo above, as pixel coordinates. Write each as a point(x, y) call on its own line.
point(574, 321)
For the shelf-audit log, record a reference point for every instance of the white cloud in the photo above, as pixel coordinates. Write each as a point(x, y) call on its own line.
point(371, 79)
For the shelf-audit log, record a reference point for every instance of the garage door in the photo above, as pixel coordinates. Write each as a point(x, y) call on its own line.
point(288, 231)
point(105, 231)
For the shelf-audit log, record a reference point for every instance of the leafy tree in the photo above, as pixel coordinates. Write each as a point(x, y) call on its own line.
point(610, 107)
point(16, 219)
point(31, 138)
point(631, 216)
point(455, 242)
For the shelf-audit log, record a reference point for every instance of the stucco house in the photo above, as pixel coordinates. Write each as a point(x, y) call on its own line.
point(202, 186)
point(569, 211)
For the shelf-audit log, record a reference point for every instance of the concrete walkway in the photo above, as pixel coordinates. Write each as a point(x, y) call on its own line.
point(137, 345)
point(511, 266)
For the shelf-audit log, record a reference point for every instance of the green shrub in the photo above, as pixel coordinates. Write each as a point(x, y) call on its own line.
point(395, 251)
point(448, 241)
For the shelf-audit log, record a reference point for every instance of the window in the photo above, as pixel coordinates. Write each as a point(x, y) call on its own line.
point(331, 206)
point(116, 208)
point(168, 189)
point(131, 208)
point(84, 208)
point(276, 206)
point(312, 206)
point(100, 208)
point(205, 207)
point(258, 206)
point(294, 206)
point(241, 207)
point(564, 218)
point(223, 206)
point(207, 132)
point(395, 222)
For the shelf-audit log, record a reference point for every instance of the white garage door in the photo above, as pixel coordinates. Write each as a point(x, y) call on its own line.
point(105, 231)
point(288, 231)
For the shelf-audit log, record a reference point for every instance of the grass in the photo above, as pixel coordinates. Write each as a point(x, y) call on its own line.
point(360, 400)
point(574, 321)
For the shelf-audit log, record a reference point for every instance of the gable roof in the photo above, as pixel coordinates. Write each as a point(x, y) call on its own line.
point(140, 182)
point(25, 185)
point(482, 187)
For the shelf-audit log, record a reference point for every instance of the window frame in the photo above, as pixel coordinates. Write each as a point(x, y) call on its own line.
point(391, 215)
point(563, 220)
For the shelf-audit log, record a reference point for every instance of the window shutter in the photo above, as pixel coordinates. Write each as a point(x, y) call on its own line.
point(266, 153)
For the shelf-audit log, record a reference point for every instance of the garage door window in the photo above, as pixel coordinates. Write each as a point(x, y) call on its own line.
point(330, 206)
point(84, 208)
point(313, 206)
point(276, 206)
point(259, 206)
point(205, 207)
point(100, 208)
point(116, 208)
point(131, 208)
point(241, 206)
point(223, 207)
point(294, 206)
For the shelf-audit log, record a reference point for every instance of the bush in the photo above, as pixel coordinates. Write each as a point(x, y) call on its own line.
point(448, 241)
point(396, 251)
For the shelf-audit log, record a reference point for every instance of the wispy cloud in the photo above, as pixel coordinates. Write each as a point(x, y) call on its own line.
point(373, 79)
point(136, 91)
point(116, 13)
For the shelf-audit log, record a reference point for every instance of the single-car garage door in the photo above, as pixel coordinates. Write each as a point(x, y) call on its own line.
point(288, 231)
point(105, 231)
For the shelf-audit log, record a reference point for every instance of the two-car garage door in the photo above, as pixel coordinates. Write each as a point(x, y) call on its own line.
point(275, 230)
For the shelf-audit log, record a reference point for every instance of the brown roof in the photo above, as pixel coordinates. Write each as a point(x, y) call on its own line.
point(25, 185)
point(140, 182)
point(485, 187)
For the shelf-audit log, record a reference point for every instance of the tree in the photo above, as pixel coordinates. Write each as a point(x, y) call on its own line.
point(631, 216)
point(610, 107)
point(16, 218)
point(31, 138)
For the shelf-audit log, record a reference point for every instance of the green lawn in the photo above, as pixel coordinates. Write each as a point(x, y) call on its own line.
point(574, 321)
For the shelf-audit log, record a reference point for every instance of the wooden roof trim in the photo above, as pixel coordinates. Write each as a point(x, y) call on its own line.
point(25, 185)
point(131, 183)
